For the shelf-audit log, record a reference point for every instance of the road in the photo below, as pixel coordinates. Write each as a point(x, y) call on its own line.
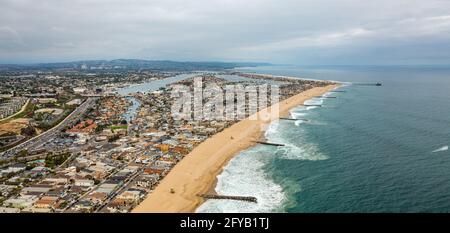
point(93, 188)
point(40, 139)
point(120, 189)
point(124, 186)
point(96, 187)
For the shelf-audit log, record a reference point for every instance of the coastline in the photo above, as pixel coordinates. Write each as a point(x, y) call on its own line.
point(197, 172)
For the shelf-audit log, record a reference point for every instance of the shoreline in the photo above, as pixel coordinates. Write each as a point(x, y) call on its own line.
point(197, 172)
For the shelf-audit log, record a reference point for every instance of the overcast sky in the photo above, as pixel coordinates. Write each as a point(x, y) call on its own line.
point(278, 31)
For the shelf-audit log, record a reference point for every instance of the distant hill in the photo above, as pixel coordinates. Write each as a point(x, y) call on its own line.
point(162, 65)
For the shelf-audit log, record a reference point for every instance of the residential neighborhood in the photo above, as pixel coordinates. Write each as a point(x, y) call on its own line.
point(91, 149)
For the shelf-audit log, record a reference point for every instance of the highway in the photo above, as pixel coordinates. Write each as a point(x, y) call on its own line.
point(39, 140)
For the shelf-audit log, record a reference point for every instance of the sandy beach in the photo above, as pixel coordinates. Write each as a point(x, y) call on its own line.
point(196, 173)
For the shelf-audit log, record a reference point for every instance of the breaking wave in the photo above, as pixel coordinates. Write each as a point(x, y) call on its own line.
point(247, 173)
point(245, 176)
point(444, 148)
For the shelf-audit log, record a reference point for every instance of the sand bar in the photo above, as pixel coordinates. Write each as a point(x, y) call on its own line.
point(196, 173)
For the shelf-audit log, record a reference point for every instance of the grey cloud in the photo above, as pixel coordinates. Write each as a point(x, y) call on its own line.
point(288, 31)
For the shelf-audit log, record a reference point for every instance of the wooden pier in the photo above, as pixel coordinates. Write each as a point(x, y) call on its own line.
point(326, 97)
point(368, 84)
point(292, 119)
point(337, 91)
point(237, 198)
point(269, 143)
point(312, 105)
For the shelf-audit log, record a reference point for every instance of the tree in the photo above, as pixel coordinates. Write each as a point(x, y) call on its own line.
point(30, 166)
point(29, 131)
point(113, 138)
point(23, 153)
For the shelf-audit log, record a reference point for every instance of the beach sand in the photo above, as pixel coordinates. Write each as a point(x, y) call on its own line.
point(196, 173)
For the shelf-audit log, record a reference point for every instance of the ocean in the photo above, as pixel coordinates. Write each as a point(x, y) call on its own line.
point(372, 149)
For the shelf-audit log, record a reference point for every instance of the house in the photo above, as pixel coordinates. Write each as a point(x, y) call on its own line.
point(97, 197)
point(46, 202)
point(147, 181)
point(79, 90)
point(162, 147)
point(83, 205)
point(76, 190)
point(116, 205)
point(179, 150)
point(163, 164)
point(84, 182)
point(130, 196)
point(21, 202)
point(15, 180)
point(13, 169)
point(60, 205)
point(120, 178)
point(99, 175)
point(36, 210)
point(118, 202)
point(153, 171)
point(83, 162)
point(130, 169)
point(107, 187)
point(9, 210)
point(101, 138)
point(57, 180)
point(87, 126)
point(144, 159)
point(74, 102)
point(40, 170)
point(36, 189)
point(5, 190)
point(57, 192)
point(46, 100)
point(101, 167)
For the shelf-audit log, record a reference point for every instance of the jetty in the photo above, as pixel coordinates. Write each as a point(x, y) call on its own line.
point(312, 105)
point(326, 97)
point(269, 143)
point(337, 91)
point(368, 84)
point(292, 119)
point(226, 197)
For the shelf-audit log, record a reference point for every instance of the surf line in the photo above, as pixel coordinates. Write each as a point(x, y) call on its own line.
point(444, 148)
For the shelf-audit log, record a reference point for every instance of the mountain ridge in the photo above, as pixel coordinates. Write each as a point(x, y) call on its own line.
point(123, 63)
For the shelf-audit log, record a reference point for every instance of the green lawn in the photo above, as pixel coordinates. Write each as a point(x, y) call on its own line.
point(114, 127)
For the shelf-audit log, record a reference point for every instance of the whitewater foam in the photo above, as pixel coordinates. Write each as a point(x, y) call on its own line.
point(444, 148)
point(272, 129)
point(298, 122)
point(306, 151)
point(314, 101)
point(247, 175)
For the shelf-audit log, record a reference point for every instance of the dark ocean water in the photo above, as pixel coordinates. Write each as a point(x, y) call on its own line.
point(373, 149)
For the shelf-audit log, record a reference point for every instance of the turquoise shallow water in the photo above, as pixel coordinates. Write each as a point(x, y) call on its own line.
point(373, 149)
